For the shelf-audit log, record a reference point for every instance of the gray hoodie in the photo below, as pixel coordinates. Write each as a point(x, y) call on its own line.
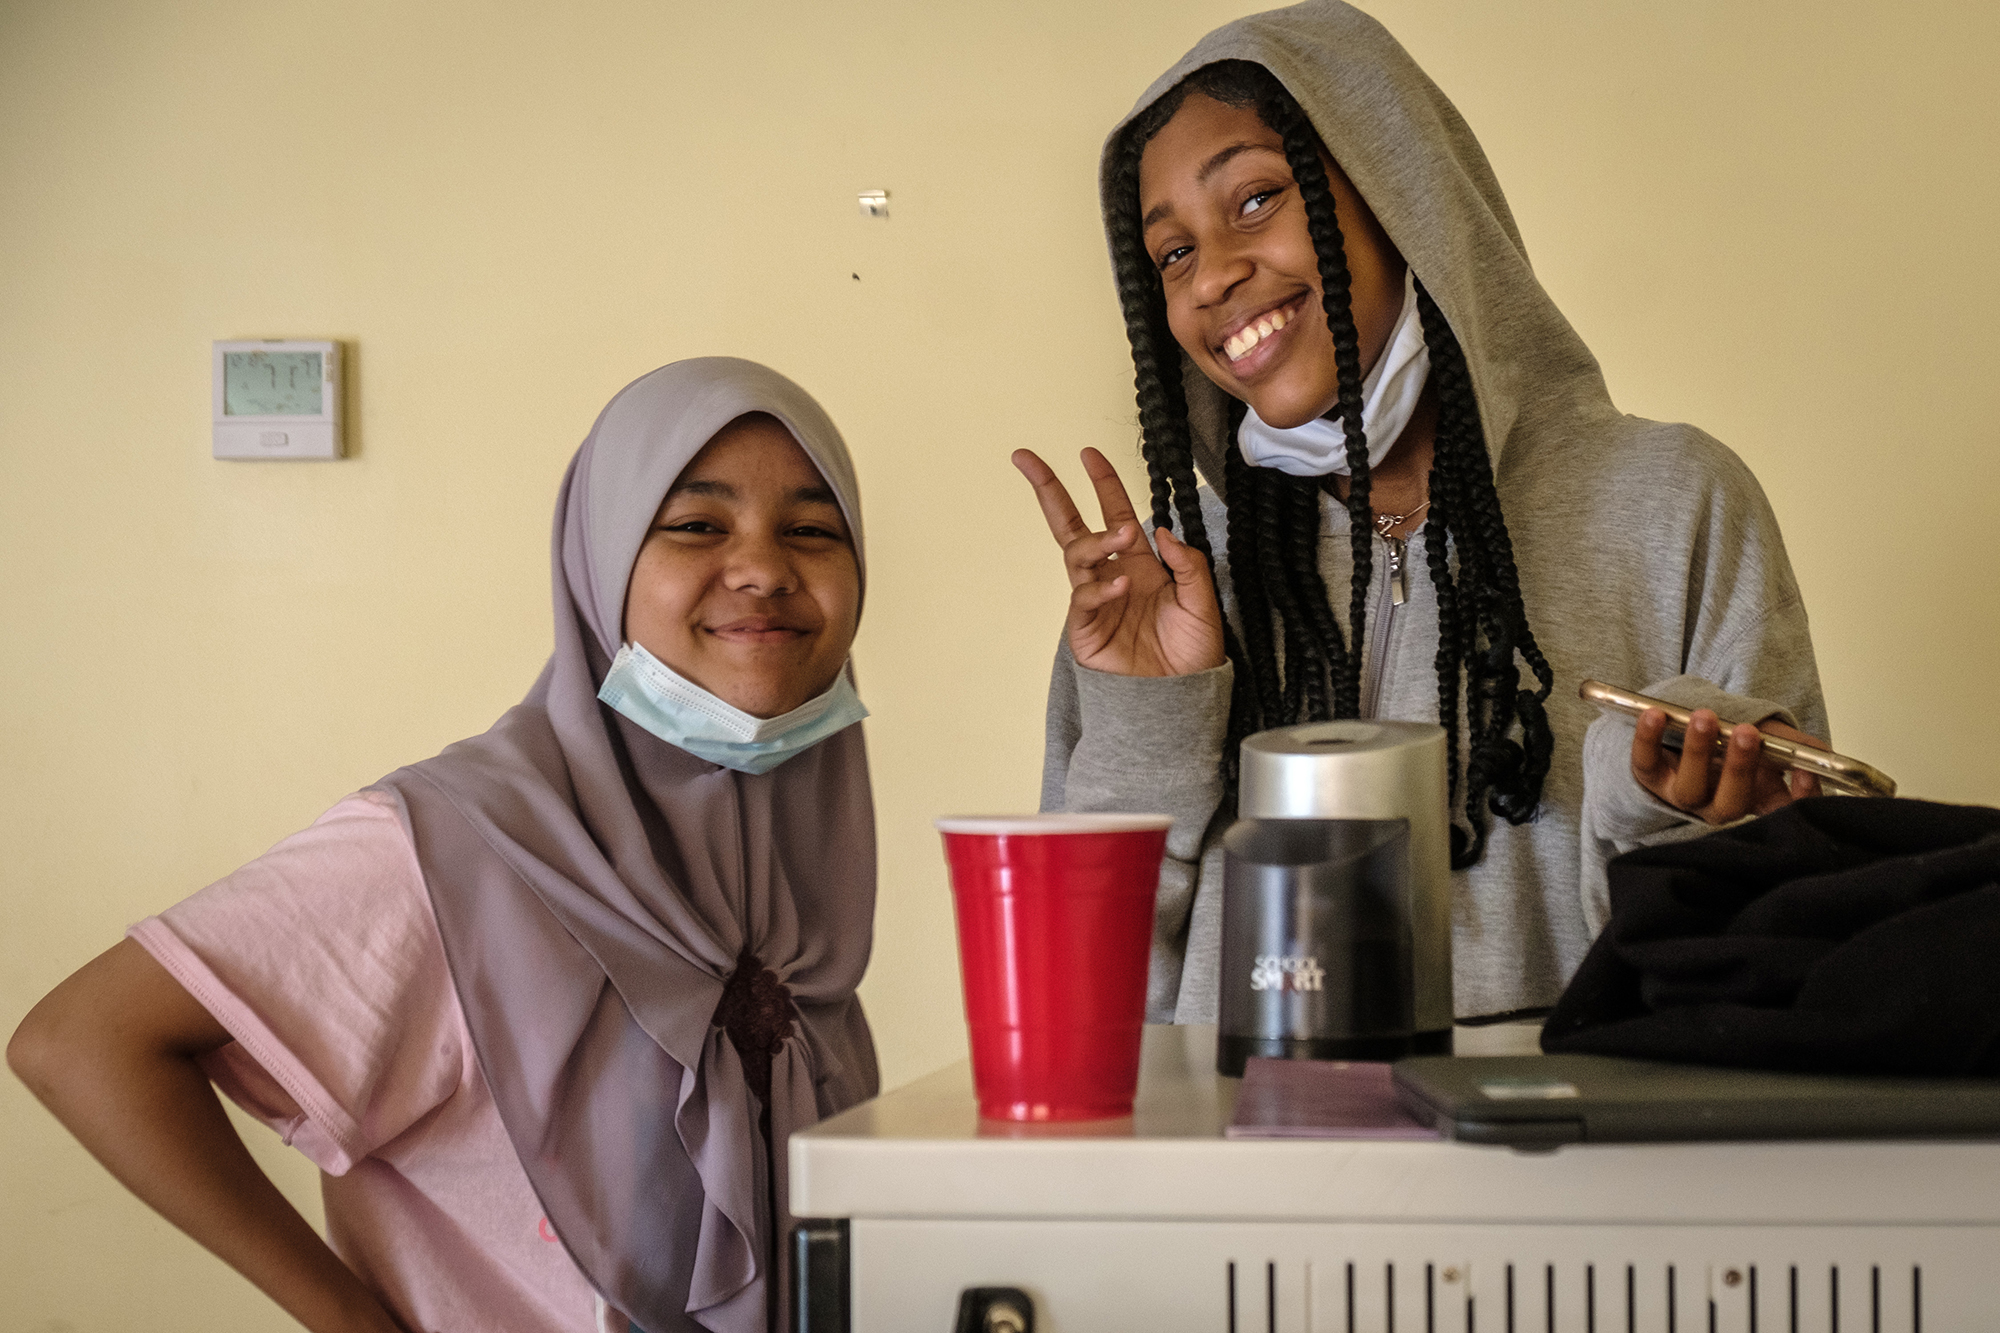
point(1648, 557)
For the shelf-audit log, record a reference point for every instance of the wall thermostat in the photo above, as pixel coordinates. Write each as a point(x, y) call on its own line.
point(277, 399)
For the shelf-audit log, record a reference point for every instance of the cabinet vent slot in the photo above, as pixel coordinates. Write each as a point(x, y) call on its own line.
point(1437, 1295)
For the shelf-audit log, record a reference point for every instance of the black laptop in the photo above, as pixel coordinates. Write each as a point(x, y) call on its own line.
point(1546, 1100)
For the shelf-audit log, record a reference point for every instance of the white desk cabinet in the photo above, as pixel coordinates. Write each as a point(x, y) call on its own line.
point(1159, 1223)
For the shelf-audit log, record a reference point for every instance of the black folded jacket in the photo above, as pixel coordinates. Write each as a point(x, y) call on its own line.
point(1841, 934)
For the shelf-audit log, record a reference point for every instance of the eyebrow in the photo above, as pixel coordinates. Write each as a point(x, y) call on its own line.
point(1214, 164)
point(722, 490)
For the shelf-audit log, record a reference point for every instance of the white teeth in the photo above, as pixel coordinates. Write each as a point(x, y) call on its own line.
point(1239, 344)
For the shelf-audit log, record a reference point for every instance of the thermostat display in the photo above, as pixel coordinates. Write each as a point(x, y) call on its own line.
point(272, 383)
point(277, 399)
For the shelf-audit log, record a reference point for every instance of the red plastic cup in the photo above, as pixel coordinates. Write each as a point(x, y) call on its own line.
point(1055, 929)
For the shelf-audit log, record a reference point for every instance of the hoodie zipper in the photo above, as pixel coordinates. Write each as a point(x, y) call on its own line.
point(1399, 588)
point(1394, 591)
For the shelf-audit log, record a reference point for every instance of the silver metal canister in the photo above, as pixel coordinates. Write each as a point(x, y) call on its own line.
point(1337, 895)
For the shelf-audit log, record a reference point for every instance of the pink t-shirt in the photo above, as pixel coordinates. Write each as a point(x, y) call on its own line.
point(322, 959)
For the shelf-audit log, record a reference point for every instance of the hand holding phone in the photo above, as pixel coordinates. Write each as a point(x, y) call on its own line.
point(1763, 771)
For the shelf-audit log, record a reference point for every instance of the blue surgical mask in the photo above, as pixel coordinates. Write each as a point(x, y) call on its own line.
point(649, 692)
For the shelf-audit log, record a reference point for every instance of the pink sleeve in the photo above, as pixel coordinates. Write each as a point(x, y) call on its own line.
point(322, 959)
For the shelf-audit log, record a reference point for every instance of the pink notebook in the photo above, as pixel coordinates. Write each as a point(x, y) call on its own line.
point(1321, 1099)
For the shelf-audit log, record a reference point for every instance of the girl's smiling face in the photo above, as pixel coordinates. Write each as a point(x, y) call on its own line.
point(747, 583)
point(1224, 224)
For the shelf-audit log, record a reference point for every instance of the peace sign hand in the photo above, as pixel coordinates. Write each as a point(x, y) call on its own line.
point(1131, 612)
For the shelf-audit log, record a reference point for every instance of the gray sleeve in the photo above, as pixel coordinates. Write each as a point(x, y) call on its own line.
point(1062, 727)
point(1619, 815)
point(1745, 648)
point(1143, 745)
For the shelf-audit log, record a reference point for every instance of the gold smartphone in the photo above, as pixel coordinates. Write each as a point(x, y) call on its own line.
point(1848, 776)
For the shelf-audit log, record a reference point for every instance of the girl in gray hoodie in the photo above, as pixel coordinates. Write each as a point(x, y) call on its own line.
point(1416, 501)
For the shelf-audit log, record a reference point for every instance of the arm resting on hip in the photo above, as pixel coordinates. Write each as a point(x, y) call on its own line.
point(114, 1053)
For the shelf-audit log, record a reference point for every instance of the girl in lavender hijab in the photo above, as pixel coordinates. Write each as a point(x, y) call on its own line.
point(544, 1008)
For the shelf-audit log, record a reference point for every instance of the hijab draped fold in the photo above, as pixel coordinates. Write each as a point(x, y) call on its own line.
point(596, 888)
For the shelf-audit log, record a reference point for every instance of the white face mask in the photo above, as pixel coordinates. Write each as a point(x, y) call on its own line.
point(1389, 394)
point(680, 712)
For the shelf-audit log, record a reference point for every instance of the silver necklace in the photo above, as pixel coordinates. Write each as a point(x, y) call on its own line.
point(1388, 523)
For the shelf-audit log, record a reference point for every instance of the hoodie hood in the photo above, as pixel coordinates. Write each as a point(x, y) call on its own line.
point(1412, 157)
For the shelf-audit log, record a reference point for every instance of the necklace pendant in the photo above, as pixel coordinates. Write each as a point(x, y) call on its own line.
point(1386, 524)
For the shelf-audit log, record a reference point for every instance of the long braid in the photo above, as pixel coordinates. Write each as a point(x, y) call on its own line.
point(1329, 663)
point(1485, 631)
point(1163, 418)
point(1161, 490)
point(1270, 522)
point(1253, 702)
point(1258, 672)
point(1437, 556)
point(1460, 625)
point(1516, 795)
point(1302, 151)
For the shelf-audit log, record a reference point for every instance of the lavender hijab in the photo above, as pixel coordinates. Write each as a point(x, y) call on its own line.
point(603, 895)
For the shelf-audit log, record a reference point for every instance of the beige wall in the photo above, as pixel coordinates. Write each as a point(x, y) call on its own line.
point(1773, 220)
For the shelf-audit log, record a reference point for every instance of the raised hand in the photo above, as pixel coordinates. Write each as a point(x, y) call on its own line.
point(1720, 791)
point(1131, 612)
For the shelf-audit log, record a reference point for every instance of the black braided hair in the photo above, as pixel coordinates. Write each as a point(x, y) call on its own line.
point(1292, 662)
point(1481, 620)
